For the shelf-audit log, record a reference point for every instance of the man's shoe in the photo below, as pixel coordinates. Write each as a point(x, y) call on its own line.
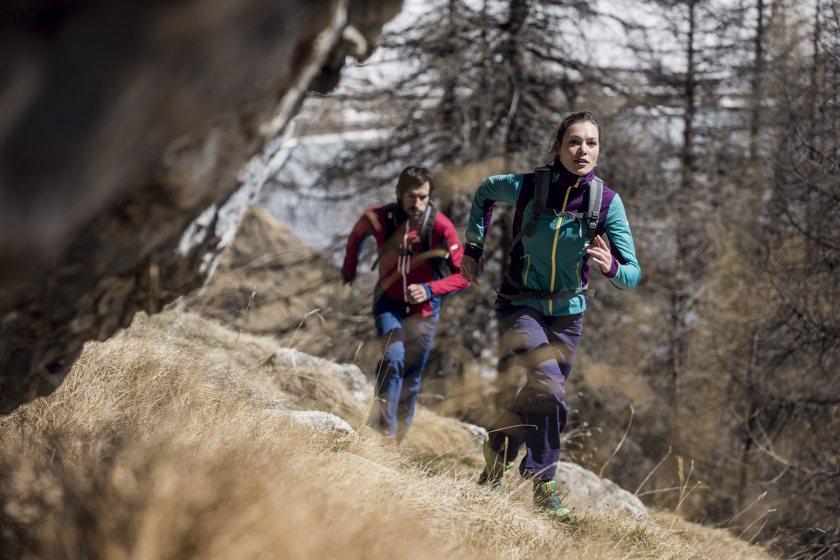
point(548, 501)
point(494, 468)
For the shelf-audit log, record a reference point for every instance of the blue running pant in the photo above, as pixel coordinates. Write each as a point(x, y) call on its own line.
point(407, 340)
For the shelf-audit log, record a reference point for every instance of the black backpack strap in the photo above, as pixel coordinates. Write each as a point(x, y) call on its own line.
point(596, 192)
point(573, 215)
point(440, 255)
point(390, 220)
point(542, 180)
point(428, 227)
point(523, 292)
point(390, 226)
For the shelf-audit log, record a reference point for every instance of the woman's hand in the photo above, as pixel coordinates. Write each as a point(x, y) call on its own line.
point(600, 254)
point(471, 270)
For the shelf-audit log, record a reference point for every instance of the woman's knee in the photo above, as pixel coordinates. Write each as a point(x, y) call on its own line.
point(548, 384)
point(546, 358)
point(551, 404)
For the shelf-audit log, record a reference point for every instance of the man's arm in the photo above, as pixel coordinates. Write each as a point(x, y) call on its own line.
point(360, 231)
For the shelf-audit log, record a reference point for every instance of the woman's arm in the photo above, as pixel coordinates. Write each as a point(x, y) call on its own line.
point(625, 272)
point(498, 188)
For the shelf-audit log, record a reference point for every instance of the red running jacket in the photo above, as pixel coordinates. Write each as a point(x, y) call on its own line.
point(402, 262)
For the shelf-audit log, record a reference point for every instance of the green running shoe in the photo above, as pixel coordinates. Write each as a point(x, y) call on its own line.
point(494, 468)
point(548, 501)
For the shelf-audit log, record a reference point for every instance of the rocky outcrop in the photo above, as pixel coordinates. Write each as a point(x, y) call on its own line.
point(119, 125)
point(586, 490)
point(315, 420)
point(349, 374)
point(321, 421)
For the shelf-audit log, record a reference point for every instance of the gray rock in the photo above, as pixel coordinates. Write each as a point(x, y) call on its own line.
point(349, 374)
point(478, 434)
point(584, 490)
point(319, 421)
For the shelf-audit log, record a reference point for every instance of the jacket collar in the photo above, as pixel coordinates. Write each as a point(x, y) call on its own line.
point(565, 177)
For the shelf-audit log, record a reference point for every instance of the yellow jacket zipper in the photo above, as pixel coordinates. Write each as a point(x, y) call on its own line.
point(527, 268)
point(554, 245)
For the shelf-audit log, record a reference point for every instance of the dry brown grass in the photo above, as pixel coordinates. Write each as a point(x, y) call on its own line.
point(158, 445)
point(269, 282)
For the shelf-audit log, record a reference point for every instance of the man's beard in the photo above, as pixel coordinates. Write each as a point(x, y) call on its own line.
point(415, 218)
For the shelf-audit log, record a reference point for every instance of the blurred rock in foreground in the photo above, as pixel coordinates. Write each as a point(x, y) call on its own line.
point(119, 124)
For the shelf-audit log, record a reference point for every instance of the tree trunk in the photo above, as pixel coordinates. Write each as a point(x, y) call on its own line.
point(511, 138)
point(686, 227)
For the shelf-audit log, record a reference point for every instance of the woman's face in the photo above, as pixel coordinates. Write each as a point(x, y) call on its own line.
point(579, 147)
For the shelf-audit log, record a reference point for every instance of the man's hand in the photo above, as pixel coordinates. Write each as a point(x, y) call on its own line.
point(471, 270)
point(600, 254)
point(416, 293)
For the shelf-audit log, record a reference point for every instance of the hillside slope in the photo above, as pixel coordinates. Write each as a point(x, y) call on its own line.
point(270, 282)
point(171, 440)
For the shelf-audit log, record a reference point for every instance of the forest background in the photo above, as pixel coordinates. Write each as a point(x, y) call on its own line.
point(715, 380)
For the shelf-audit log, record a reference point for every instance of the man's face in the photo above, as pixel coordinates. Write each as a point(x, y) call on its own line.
point(414, 201)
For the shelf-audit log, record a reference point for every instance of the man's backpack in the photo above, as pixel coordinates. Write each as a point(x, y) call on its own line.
point(439, 256)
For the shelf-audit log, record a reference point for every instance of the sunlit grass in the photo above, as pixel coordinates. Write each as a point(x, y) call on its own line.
point(158, 445)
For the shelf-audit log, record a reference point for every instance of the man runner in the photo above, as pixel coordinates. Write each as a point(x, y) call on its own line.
point(419, 262)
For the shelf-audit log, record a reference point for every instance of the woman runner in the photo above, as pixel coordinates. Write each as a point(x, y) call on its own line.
point(544, 292)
